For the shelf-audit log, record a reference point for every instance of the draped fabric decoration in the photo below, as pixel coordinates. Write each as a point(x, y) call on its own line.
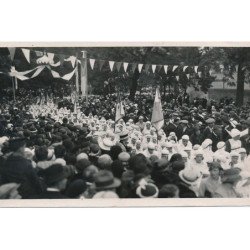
point(111, 65)
point(20, 75)
point(153, 68)
point(55, 74)
point(101, 63)
point(68, 76)
point(125, 66)
point(12, 51)
point(38, 71)
point(92, 63)
point(39, 53)
point(134, 67)
point(157, 119)
point(140, 65)
point(166, 68)
point(26, 53)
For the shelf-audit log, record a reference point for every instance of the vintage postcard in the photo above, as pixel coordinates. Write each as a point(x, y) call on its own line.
point(124, 124)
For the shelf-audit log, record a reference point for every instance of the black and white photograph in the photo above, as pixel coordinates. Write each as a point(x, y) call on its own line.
point(124, 122)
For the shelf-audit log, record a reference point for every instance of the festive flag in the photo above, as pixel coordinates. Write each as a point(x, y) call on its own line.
point(84, 74)
point(195, 69)
point(92, 63)
point(118, 66)
point(26, 53)
point(140, 65)
point(111, 65)
point(177, 78)
point(55, 74)
point(210, 72)
point(38, 71)
point(55, 64)
point(101, 63)
point(159, 67)
point(134, 67)
point(71, 59)
point(125, 66)
point(12, 51)
point(199, 73)
point(166, 68)
point(68, 76)
point(147, 67)
point(153, 68)
point(157, 115)
point(188, 76)
point(174, 68)
point(119, 109)
point(184, 68)
point(39, 53)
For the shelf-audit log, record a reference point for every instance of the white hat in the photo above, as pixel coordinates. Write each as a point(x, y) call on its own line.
point(172, 134)
point(234, 132)
point(106, 194)
point(234, 154)
point(165, 152)
point(185, 137)
point(199, 152)
point(168, 144)
point(190, 175)
point(82, 156)
point(206, 143)
point(196, 147)
point(183, 154)
point(242, 150)
point(60, 161)
point(220, 144)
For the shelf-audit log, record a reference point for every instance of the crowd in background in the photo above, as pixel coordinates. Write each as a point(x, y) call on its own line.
point(51, 148)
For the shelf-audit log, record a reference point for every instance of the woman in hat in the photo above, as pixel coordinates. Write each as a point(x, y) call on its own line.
point(199, 164)
point(211, 183)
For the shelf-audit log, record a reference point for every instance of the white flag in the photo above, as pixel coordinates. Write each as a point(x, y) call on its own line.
point(184, 68)
point(111, 65)
point(140, 65)
point(175, 67)
point(177, 78)
point(199, 73)
point(92, 63)
point(125, 66)
point(195, 69)
point(166, 68)
point(188, 75)
point(26, 53)
point(153, 68)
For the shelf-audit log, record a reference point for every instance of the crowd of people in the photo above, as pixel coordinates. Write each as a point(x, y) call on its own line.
point(53, 149)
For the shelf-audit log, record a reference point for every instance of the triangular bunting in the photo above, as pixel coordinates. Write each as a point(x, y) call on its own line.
point(175, 67)
point(118, 66)
point(125, 66)
point(177, 78)
point(153, 68)
point(159, 67)
point(26, 53)
point(71, 59)
point(140, 65)
point(134, 67)
point(101, 63)
point(111, 65)
point(92, 63)
point(147, 67)
point(184, 68)
point(188, 76)
point(195, 69)
point(166, 68)
point(12, 51)
point(68, 76)
point(199, 73)
point(61, 58)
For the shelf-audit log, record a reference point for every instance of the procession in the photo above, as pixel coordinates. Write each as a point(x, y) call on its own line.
point(158, 142)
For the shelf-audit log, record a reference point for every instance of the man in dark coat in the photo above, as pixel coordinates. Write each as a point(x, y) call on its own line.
point(19, 170)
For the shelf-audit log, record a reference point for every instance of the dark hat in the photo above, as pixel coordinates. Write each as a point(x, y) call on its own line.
point(16, 143)
point(231, 175)
point(54, 174)
point(161, 165)
point(105, 179)
point(214, 165)
point(76, 188)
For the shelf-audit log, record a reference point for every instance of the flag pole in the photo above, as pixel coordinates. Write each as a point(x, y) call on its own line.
point(13, 89)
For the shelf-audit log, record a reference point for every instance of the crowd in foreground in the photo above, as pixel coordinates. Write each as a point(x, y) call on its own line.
point(50, 151)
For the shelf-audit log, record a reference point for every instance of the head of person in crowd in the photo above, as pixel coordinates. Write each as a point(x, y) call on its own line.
point(164, 154)
point(231, 176)
point(215, 170)
point(185, 140)
point(234, 157)
point(199, 157)
point(17, 145)
point(221, 145)
point(169, 191)
point(124, 158)
point(89, 172)
point(146, 189)
point(104, 162)
point(114, 152)
point(41, 153)
point(210, 122)
point(243, 154)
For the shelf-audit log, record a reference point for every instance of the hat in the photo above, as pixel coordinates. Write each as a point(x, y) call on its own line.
point(185, 137)
point(164, 152)
point(214, 165)
point(210, 120)
point(105, 195)
point(76, 188)
point(104, 179)
point(234, 132)
point(206, 143)
point(161, 165)
point(196, 147)
point(231, 175)
point(141, 118)
point(106, 143)
point(147, 190)
point(199, 152)
point(124, 156)
point(16, 143)
point(183, 154)
point(104, 161)
point(242, 150)
point(54, 174)
point(95, 150)
point(82, 156)
point(172, 134)
point(221, 144)
point(234, 154)
point(190, 176)
point(7, 189)
point(60, 161)
point(184, 121)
